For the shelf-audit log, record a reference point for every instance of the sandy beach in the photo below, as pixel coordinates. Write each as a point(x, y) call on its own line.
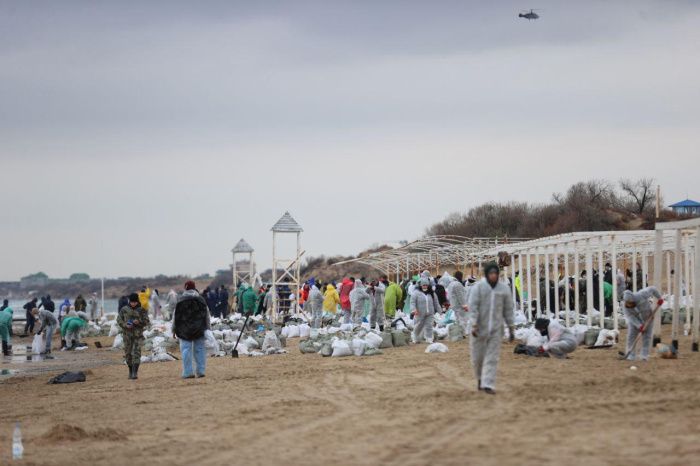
point(403, 407)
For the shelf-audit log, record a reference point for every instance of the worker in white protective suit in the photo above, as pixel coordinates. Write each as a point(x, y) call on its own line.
point(424, 306)
point(490, 307)
point(458, 296)
point(316, 303)
point(359, 298)
point(560, 340)
point(638, 310)
point(376, 313)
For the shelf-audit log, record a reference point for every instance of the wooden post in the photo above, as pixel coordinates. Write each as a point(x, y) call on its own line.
point(601, 284)
point(616, 302)
point(537, 282)
point(696, 290)
point(555, 267)
point(677, 289)
point(547, 298)
point(529, 287)
point(567, 291)
point(577, 285)
point(522, 283)
point(658, 269)
point(589, 283)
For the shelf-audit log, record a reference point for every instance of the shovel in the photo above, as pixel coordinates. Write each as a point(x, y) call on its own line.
point(234, 353)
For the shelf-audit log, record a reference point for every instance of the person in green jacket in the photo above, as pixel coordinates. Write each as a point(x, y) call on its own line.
point(249, 298)
point(70, 330)
point(5, 327)
point(392, 297)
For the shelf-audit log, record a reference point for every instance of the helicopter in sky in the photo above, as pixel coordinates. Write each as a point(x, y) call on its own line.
point(528, 14)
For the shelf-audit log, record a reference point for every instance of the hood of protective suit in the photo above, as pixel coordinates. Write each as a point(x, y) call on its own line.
point(359, 285)
point(424, 281)
point(630, 297)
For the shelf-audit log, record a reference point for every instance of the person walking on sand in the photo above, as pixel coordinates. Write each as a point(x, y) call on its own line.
point(490, 306)
point(155, 304)
point(132, 320)
point(190, 321)
point(424, 306)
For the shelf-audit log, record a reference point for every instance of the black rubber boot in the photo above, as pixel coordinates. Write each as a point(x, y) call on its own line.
point(381, 328)
point(479, 385)
point(5, 349)
point(63, 343)
point(136, 371)
point(131, 372)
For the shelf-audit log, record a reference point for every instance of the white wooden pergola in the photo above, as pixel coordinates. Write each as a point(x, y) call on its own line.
point(433, 253)
point(286, 271)
point(546, 257)
point(673, 246)
point(239, 274)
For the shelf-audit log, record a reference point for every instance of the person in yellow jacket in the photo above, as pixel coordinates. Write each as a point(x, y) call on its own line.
point(518, 286)
point(145, 298)
point(331, 299)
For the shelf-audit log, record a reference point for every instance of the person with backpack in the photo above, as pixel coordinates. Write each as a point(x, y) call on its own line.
point(190, 322)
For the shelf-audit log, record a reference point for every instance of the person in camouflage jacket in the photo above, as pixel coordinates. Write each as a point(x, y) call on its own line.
point(132, 321)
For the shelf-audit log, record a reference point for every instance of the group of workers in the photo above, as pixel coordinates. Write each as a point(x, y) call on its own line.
point(484, 309)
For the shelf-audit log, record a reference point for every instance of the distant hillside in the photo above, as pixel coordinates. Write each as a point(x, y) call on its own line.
point(596, 205)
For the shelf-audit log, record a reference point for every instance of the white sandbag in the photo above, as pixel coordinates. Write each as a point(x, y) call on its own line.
point(285, 332)
point(252, 343)
point(607, 337)
point(162, 357)
point(358, 346)
point(579, 331)
point(211, 344)
point(519, 318)
point(304, 331)
point(346, 327)
point(37, 344)
point(333, 330)
point(373, 340)
point(535, 338)
point(118, 342)
point(293, 331)
point(114, 329)
point(436, 348)
point(341, 348)
point(271, 342)
point(218, 334)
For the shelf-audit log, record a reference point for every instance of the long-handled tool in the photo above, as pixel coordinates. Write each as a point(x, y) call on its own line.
point(234, 353)
point(648, 322)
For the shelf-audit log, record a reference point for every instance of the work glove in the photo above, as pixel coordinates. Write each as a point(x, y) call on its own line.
point(660, 301)
point(475, 331)
point(541, 350)
point(641, 328)
point(511, 334)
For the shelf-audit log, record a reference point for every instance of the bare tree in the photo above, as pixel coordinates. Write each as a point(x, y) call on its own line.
point(639, 194)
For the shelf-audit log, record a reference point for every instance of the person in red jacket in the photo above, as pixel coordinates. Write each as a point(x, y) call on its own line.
point(345, 288)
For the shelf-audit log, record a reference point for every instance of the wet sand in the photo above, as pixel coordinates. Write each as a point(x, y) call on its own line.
point(401, 408)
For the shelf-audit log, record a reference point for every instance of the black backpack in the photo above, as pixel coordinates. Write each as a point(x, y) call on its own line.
point(190, 318)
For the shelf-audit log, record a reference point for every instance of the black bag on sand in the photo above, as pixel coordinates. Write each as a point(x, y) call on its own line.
point(190, 318)
point(529, 351)
point(68, 377)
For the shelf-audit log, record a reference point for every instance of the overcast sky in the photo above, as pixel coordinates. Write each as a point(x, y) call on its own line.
point(139, 138)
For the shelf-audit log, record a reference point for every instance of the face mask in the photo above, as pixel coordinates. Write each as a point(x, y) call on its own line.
point(425, 288)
